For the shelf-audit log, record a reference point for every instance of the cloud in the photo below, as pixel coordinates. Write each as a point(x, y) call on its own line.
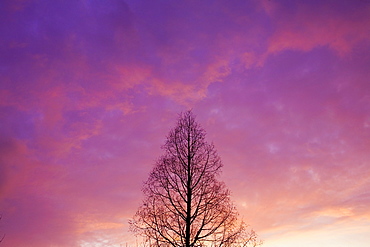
point(27, 201)
point(90, 89)
point(290, 144)
point(303, 27)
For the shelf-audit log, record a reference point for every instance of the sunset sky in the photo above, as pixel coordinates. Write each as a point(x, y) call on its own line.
point(89, 90)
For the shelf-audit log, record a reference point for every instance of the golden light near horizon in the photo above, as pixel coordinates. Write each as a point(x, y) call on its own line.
point(90, 89)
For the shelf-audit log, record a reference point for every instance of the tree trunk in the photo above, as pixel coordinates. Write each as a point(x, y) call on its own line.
point(189, 192)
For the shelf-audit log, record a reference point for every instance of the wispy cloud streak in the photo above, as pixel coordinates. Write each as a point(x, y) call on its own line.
point(90, 89)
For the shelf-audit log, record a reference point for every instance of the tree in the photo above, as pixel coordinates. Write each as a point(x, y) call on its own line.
point(2, 238)
point(185, 205)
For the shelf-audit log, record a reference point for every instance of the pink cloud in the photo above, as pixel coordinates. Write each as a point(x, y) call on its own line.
point(90, 91)
point(307, 27)
point(25, 194)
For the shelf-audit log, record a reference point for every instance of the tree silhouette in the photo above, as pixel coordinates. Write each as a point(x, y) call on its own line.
point(2, 238)
point(185, 205)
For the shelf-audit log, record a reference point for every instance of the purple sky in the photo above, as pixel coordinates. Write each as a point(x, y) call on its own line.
point(89, 89)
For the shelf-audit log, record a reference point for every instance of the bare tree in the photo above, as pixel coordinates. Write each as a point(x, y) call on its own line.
point(2, 238)
point(185, 205)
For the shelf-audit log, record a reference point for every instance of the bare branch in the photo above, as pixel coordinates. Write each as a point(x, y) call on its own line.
point(185, 204)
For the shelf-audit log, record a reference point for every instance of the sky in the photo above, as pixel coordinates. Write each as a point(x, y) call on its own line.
point(89, 90)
